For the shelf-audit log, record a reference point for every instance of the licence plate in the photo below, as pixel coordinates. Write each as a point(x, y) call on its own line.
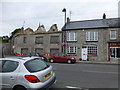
point(48, 75)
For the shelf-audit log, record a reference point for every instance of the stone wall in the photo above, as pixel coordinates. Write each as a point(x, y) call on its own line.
point(5, 48)
point(31, 45)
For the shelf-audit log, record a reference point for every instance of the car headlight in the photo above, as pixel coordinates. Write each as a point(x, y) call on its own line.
point(72, 58)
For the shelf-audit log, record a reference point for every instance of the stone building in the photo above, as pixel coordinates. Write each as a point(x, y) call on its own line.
point(95, 40)
point(39, 41)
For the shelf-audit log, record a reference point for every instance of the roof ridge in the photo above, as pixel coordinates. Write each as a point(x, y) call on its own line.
point(92, 20)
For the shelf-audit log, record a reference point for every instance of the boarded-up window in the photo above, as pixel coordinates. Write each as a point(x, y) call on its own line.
point(24, 50)
point(24, 39)
point(54, 50)
point(38, 50)
point(39, 40)
point(54, 39)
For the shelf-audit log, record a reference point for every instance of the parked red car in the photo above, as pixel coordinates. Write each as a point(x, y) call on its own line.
point(60, 57)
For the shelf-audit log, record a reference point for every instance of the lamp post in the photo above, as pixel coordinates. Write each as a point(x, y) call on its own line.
point(64, 10)
point(2, 52)
point(64, 33)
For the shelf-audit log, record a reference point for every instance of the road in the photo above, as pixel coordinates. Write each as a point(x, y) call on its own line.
point(85, 76)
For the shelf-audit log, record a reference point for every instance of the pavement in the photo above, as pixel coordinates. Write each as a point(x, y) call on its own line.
point(99, 62)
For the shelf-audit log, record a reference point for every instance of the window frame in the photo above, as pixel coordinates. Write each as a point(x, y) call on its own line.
point(56, 41)
point(93, 50)
point(111, 34)
point(74, 37)
point(38, 39)
point(92, 36)
point(74, 50)
point(115, 52)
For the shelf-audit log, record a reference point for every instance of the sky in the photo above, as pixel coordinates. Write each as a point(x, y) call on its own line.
point(15, 14)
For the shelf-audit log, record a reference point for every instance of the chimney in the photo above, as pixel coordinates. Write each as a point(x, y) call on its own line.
point(68, 19)
point(104, 16)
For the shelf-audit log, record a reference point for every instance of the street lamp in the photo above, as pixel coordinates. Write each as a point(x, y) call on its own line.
point(64, 10)
point(64, 33)
point(2, 52)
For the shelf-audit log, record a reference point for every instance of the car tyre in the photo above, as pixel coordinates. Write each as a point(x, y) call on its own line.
point(19, 88)
point(51, 60)
point(69, 61)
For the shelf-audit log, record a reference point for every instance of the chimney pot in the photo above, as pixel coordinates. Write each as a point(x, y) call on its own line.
point(104, 16)
point(68, 19)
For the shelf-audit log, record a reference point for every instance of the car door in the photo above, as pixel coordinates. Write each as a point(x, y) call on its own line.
point(9, 73)
point(56, 57)
point(62, 57)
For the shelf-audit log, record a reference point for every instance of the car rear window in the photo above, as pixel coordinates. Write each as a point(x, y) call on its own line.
point(36, 65)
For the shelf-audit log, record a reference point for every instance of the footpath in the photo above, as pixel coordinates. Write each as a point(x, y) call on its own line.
point(99, 62)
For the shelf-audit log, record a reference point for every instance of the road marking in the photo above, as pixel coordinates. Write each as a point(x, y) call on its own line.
point(73, 87)
point(101, 72)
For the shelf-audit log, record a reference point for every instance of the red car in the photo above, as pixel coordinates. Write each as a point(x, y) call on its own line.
point(60, 57)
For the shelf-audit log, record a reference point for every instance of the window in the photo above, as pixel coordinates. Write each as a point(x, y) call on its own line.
point(9, 66)
point(54, 50)
point(72, 50)
point(113, 34)
point(38, 50)
point(54, 39)
point(91, 36)
point(58, 54)
point(71, 36)
point(39, 40)
point(115, 52)
point(24, 50)
point(24, 39)
point(92, 50)
point(35, 65)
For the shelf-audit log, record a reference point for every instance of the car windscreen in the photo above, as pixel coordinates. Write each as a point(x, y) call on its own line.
point(36, 65)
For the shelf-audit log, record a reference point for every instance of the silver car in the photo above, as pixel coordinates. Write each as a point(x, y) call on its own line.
point(28, 73)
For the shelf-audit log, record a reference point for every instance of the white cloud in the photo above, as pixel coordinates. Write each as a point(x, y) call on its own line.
point(49, 12)
point(84, 1)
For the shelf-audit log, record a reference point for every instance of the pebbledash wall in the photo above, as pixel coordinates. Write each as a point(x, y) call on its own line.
point(94, 40)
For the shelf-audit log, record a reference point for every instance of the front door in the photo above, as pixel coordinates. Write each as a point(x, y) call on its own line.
point(84, 53)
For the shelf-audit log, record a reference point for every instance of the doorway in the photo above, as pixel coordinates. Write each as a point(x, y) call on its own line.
point(84, 53)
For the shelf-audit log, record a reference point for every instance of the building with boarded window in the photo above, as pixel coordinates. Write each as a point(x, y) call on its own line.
point(38, 41)
point(94, 40)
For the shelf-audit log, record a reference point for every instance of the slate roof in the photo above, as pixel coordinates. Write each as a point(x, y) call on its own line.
point(92, 24)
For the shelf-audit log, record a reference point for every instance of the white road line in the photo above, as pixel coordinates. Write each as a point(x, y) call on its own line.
point(101, 72)
point(73, 87)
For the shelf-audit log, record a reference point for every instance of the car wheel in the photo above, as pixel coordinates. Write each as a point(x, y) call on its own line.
point(19, 88)
point(51, 60)
point(69, 61)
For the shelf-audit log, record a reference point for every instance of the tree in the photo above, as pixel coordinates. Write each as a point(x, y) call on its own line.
point(15, 31)
point(4, 39)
